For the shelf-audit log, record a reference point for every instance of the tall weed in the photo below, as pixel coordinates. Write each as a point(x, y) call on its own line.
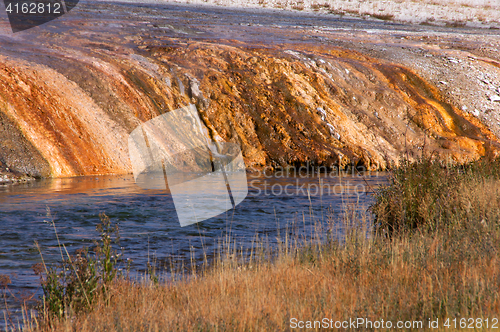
point(429, 196)
point(73, 285)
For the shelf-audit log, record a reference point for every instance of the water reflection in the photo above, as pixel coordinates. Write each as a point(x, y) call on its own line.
point(148, 222)
point(205, 178)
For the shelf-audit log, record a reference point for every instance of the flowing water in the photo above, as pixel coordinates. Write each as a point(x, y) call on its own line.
point(148, 222)
point(132, 62)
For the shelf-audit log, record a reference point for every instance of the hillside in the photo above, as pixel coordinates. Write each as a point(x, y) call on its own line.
point(290, 90)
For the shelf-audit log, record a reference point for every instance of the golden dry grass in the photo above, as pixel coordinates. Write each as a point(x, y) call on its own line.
point(450, 274)
point(416, 275)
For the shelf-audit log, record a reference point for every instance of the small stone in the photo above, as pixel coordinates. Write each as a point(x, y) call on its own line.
point(495, 99)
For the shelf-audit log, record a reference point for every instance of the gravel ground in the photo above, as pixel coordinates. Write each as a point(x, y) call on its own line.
point(439, 12)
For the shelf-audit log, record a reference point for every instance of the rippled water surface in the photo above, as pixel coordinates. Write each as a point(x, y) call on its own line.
point(148, 221)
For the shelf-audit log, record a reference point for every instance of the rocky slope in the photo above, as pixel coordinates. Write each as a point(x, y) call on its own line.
point(290, 93)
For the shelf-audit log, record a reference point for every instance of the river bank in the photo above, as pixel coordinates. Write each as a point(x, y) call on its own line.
point(289, 89)
point(442, 271)
point(148, 223)
point(8, 177)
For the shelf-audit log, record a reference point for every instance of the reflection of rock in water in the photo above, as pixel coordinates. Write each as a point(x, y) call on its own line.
point(70, 113)
point(172, 151)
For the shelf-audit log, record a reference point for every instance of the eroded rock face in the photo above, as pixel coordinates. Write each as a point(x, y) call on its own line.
point(69, 110)
point(323, 106)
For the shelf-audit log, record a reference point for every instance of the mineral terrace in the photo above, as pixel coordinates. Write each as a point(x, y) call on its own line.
point(289, 88)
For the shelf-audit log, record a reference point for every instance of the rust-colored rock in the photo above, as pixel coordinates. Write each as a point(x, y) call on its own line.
point(69, 111)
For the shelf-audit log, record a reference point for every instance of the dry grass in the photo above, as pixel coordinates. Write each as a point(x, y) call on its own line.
point(429, 196)
point(449, 274)
point(420, 273)
point(444, 275)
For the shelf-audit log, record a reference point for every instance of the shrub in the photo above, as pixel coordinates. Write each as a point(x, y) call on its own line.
point(73, 285)
point(428, 196)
